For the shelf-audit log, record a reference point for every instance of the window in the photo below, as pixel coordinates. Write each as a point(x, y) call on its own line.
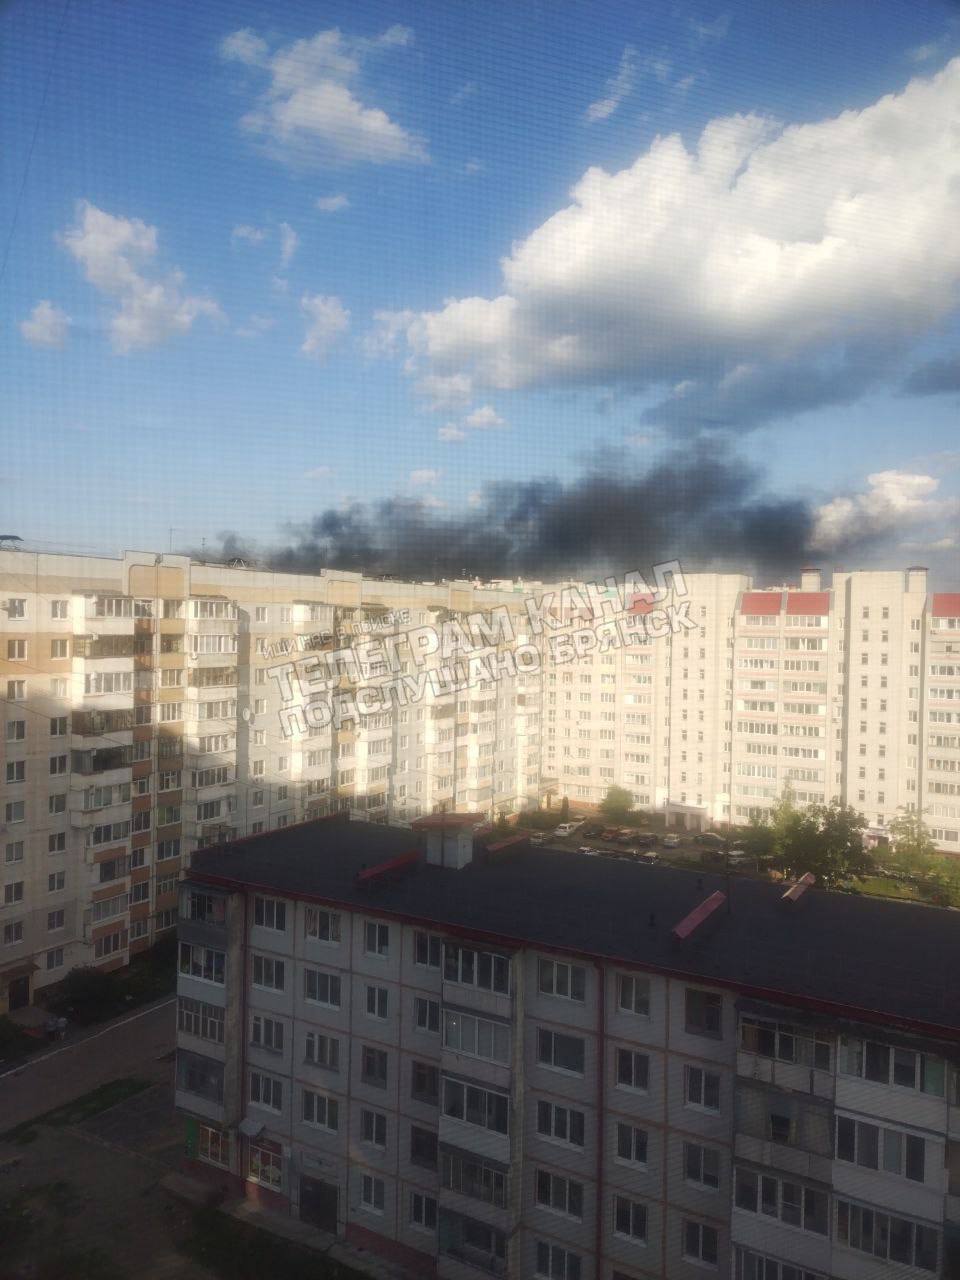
point(629, 1218)
point(55, 920)
point(633, 994)
point(213, 1147)
point(701, 1088)
point(631, 1143)
point(16, 690)
point(701, 1165)
point(197, 1018)
point(267, 1033)
point(268, 973)
point(557, 1263)
point(59, 608)
point(322, 1051)
point(557, 1192)
point(109, 945)
point(56, 881)
point(372, 1193)
point(886, 1236)
point(377, 998)
point(423, 1211)
point(633, 1069)
point(17, 730)
point(320, 1111)
point(786, 1043)
point(323, 926)
point(423, 1147)
point(885, 1064)
point(266, 1167)
point(475, 1105)
point(700, 1242)
point(425, 1083)
point(54, 958)
point(13, 852)
point(471, 1176)
point(872, 1147)
point(57, 842)
point(266, 1091)
point(754, 1266)
point(58, 727)
point(16, 650)
point(556, 978)
point(202, 962)
point(478, 1037)
point(476, 968)
point(321, 987)
point(12, 892)
point(376, 939)
point(12, 932)
point(199, 1075)
point(59, 648)
point(427, 950)
point(563, 1053)
point(373, 1066)
point(704, 1010)
point(427, 1014)
point(562, 1124)
point(373, 1127)
point(268, 913)
point(16, 771)
point(14, 811)
point(775, 1197)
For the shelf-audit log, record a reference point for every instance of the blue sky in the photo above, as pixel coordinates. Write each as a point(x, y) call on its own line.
point(189, 340)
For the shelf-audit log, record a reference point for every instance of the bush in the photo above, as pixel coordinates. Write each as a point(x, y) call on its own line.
point(87, 995)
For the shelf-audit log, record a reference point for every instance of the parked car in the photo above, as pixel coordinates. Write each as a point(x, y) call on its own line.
point(590, 853)
point(566, 829)
point(649, 859)
point(736, 857)
point(539, 837)
point(592, 829)
point(645, 841)
point(710, 838)
point(609, 833)
point(671, 841)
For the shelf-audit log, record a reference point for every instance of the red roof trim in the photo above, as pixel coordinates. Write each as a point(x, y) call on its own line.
point(946, 604)
point(394, 864)
point(699, 915)
point(441, 821)
point(760, 602)
point(812, 603)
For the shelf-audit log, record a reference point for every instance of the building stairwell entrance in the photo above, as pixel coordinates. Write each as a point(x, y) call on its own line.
point(318, 1204)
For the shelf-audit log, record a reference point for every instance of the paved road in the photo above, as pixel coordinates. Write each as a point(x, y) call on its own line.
point(134, 1045)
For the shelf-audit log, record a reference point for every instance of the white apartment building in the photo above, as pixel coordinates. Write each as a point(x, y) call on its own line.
point(147, 711)
point(530, 1064)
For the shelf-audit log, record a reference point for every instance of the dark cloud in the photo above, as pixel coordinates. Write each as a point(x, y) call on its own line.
point(702, 504)
point(935, 377)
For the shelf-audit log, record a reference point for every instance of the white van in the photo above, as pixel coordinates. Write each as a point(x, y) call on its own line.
point(567, 828)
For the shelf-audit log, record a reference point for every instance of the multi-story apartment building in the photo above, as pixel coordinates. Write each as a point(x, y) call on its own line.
point(153, 704)
point(527, 1063)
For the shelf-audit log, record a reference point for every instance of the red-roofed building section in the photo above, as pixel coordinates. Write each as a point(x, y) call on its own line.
point(641, 604)
point(757, 603)
point(810, 604)
point(946, 605)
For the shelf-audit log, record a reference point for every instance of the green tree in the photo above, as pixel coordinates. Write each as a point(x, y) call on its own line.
point(502, 826)
point(616, 804)
point(757, 838)
point(912, 844)
point(564, 809)
point(827, 840)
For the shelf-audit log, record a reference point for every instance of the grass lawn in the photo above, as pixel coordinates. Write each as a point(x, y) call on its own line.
point(237, 1251)
point(80, 1109)
point(30, 1233)
point(883, 887)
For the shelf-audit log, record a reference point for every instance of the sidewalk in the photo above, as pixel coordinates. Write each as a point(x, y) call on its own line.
point(195, 1192)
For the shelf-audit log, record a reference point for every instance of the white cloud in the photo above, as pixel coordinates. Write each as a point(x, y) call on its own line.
point(289, 243)
point(424, 476)
point(445, 393)
point(483, 419)
point(318, 473)
point(256, 325)
point(716, 30)
point(473, 166)
point(924, 52)
point(463, 93)
point(327, 318)
point(332, 204)
point(309, 113)
point(451, 433)
point(894, 501)
point(279, 284)
point(618, 87)
point(247, 235)
point(244, 46)
point(46, 326)
point(113, 252)
point(767, 270)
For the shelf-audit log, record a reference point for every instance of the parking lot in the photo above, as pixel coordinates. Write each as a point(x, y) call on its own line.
point(637, 844)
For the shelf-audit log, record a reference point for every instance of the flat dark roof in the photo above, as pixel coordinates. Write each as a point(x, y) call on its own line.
point(840, 952)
